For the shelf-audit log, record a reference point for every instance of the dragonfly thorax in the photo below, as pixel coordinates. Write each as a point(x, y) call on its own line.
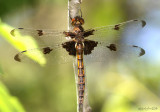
point(78, 29)
point(79, 38)
point(79, 32)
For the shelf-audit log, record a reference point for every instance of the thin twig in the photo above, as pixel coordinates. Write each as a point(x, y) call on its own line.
point(73, 10)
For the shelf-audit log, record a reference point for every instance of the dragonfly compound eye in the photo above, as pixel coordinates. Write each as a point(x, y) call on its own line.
point(77, 21)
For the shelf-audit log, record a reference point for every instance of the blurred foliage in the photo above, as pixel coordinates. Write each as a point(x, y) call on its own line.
point(10, 5)
point(1, 71)
point(120, 87)
point(9, 103)
point(103, 12)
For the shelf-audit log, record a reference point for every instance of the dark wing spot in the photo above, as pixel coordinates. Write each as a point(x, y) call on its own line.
point(24, 51)
point(112, 47)
point(47, 50)
point(143, 23)
point(21, 28)
point(117, 27)
point(135, 46)
point(135, 20)
point(88, 33)
point(142, 51)
point(70, 47)
point(89, 46)
point(16, 57)
point(40, 32)
point(12, 32)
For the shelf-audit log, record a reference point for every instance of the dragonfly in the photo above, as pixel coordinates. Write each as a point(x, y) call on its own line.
point(81, 43)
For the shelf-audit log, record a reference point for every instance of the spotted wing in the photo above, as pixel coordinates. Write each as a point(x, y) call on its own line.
point(56, 54)
point(48, 36)
point(105, 52)
point(112, 32)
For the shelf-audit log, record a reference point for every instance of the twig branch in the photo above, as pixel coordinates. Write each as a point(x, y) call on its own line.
point(73, 10)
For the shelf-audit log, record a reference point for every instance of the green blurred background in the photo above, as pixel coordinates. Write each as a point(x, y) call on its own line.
point(122, 86)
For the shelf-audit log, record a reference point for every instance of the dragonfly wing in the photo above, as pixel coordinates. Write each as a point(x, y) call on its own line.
point(47, 35)
point(112, 32)
point(104, 52)
point(57, 54)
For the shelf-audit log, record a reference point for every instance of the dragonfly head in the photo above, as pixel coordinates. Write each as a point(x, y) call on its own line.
point(77, 21)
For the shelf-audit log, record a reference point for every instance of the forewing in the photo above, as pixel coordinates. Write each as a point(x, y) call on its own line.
point(43, 36)
point(113, 32)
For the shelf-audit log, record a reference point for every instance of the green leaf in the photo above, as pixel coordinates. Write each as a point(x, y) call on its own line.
point(9, 103)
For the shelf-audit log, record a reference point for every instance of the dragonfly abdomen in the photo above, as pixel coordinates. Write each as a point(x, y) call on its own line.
point(81, 75)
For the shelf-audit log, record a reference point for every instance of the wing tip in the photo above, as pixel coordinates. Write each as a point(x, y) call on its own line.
point(12, 32)
point(16, 57)
point(142, 51)
point(143, 23)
